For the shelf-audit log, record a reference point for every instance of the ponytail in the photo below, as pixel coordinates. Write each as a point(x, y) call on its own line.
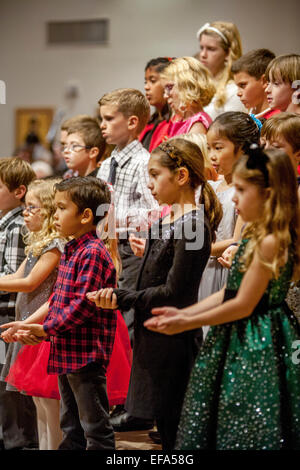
point(212, 207)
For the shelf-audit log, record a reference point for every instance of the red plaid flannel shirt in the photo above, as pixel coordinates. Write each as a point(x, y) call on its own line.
point(79, 331)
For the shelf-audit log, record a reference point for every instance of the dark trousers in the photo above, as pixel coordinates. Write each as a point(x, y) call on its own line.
point(84, 413)
point(130, 268)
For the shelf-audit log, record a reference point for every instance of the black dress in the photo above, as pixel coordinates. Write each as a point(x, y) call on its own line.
point(173, 263)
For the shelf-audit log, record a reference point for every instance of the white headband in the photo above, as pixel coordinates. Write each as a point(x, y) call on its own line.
point(211, 28)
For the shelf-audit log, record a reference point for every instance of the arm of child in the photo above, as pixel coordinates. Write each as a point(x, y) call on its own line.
point(170, 293)
point(252, 288)
point(45, 265)
point(37, 317)
point(197, 128)
point(217, 248)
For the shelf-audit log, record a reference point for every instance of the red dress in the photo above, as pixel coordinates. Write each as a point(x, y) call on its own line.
point(29, 371)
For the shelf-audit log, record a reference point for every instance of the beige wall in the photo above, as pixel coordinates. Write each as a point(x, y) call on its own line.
point(35, 74)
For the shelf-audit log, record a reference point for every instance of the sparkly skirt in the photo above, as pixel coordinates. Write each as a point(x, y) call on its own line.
point(245, 386)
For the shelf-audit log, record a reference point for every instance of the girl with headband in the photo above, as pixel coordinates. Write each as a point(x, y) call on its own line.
point(220, 46)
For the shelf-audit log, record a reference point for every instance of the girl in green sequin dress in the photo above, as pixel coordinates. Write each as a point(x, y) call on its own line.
point(245, 386)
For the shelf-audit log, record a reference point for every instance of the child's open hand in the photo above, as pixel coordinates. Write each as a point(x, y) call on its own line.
point(167, 320)
point(104, 298)
point(9, 335)
point(137, 245)
point(227, 256)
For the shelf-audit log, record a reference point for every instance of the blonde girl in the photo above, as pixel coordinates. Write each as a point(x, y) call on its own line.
point(188, 88)
point(34, 281)
point(244, 389)
point(220, 46)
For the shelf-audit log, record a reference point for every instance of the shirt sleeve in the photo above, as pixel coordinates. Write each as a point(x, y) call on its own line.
point(182, 282)
point(14, 253)
point(93, 273)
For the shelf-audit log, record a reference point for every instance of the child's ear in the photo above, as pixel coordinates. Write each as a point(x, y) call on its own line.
point(182, 175)
point(94, 152)
point(20, 192)
point(87, 216)
point(133, 122)
point(264, 81)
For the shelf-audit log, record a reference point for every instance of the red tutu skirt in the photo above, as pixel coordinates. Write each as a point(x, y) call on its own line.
point(29, 371)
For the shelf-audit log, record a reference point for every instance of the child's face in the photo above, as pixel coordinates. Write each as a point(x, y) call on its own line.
point(172, 95)
point(32, 212)
point(76, 154)
point(250, 90)
point(162, 183)
point(212, 54)
point(154, 89)
point(115, 127)
point(248, 199)
point(281, 143)
point(8, 200)
point(221, 152)
point(67, 218)
point(279, 94)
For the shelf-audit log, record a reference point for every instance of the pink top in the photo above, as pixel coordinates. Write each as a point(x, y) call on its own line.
point(183, 127)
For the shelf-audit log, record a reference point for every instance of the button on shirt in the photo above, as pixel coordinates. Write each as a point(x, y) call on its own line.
point(80, 332)
point(132, 196)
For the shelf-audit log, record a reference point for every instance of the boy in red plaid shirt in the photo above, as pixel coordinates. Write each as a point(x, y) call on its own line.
point(81, 334)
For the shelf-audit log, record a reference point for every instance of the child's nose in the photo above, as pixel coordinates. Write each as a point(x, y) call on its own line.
point(239, 92)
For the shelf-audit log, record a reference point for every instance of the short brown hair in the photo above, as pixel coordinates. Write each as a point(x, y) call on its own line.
point(286, 125)
point(88, 128)
point(254, 63)
point(15, 172)
point(285, 67)
point(130, 102)
point(73, 120)
point(86, 192)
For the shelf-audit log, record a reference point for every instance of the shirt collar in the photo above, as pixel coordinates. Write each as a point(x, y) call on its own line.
point(7, 218)
point(122, 156)
point(81, 241)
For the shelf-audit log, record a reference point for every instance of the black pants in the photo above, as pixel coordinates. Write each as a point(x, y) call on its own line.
point(84, 414)
point(130, 268)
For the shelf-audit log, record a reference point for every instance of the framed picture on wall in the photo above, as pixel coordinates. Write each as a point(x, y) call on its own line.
point(32, 125)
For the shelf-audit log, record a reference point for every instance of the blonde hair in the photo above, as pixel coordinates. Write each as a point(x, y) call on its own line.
point(130, 102)
point(286, 125)
point(284, 67)
point(201, 141)
point(280, 214)
point(192, 79)
point(178, 152)
point(233, 46)
point(43, 190)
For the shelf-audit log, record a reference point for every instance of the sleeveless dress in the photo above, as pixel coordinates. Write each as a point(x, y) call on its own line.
point(184, 127)
point(244, 389)
point(215, 275)
point(26, 304)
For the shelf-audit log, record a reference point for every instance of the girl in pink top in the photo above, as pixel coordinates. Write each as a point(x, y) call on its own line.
point(188, 88)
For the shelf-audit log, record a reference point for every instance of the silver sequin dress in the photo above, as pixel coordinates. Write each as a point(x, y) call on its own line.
point(28, 302)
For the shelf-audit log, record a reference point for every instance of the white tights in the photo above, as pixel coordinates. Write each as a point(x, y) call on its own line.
point(50, 435)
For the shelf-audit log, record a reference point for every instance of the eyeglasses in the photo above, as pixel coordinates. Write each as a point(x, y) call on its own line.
point(31, 209)
point(168, 88)
point(74, 147)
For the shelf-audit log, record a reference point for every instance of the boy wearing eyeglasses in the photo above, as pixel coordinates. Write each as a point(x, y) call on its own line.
point(83, 147)
point(17, 412)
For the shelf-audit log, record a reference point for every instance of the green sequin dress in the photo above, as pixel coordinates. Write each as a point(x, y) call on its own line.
point(244, 390)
